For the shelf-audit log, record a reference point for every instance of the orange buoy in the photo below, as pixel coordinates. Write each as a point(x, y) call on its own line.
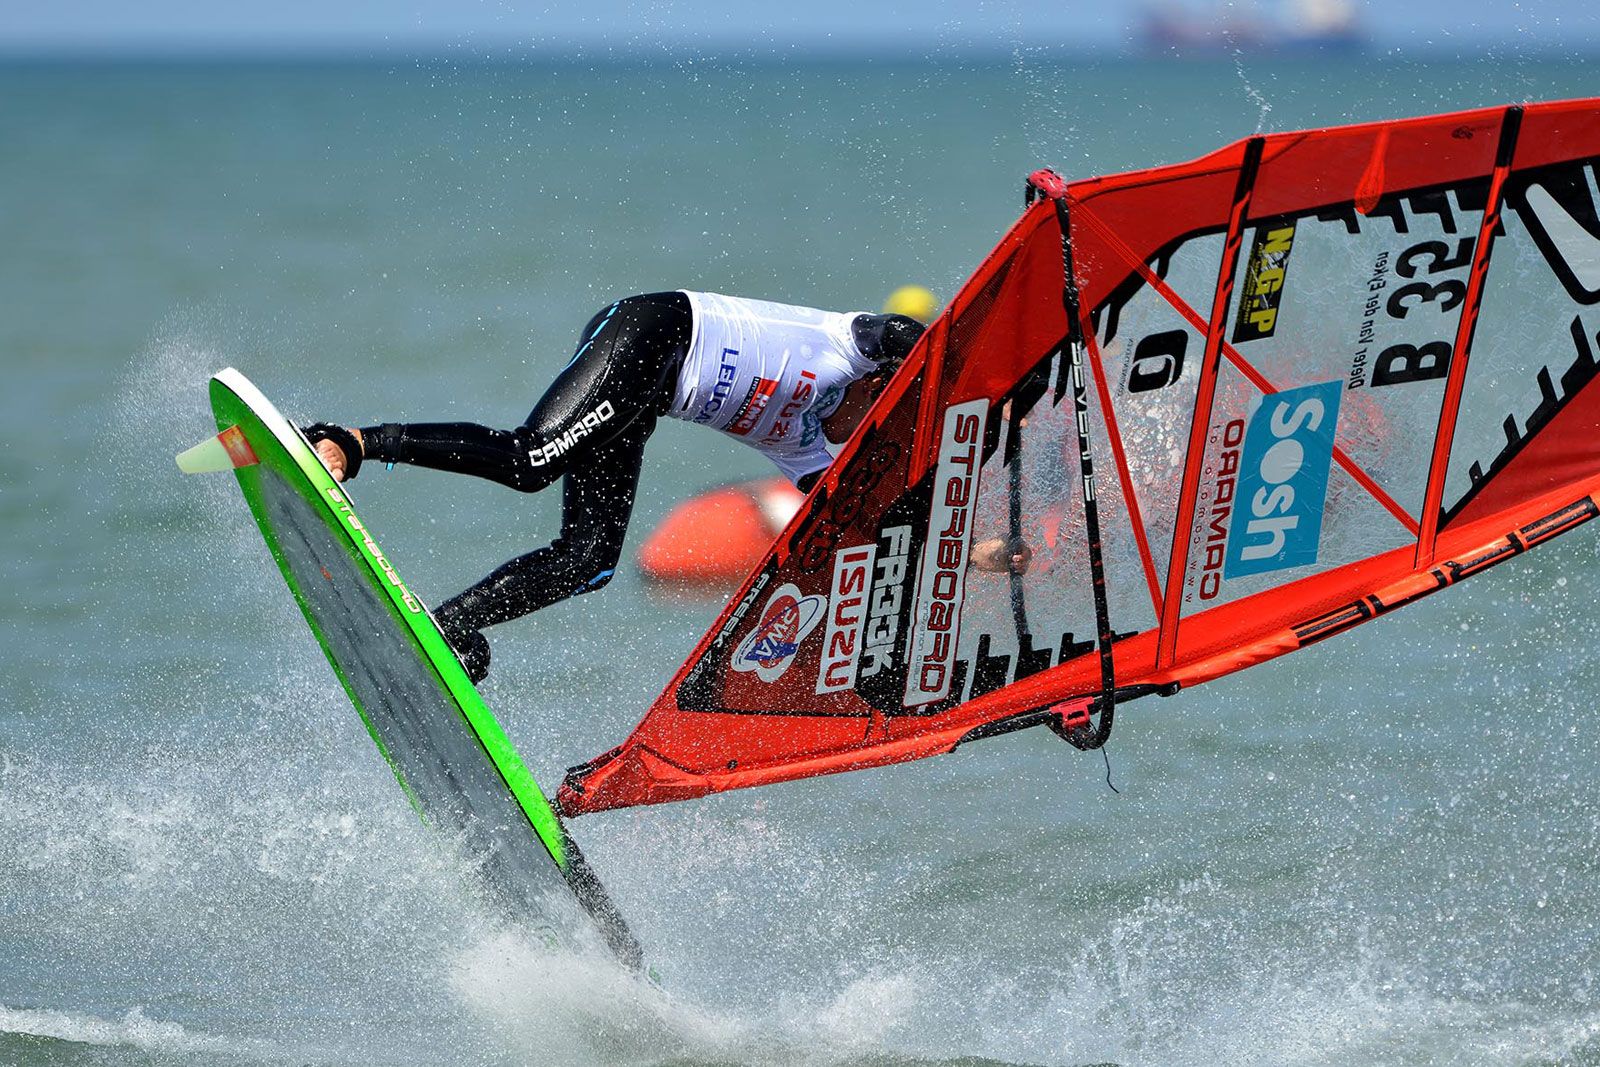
point(718, 537)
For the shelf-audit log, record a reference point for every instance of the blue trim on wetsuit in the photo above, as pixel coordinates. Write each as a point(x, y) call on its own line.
point(592, 335)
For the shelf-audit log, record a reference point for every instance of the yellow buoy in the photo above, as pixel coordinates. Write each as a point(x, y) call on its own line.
point(912, 300)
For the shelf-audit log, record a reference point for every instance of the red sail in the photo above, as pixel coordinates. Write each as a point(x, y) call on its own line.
point(1329, 372)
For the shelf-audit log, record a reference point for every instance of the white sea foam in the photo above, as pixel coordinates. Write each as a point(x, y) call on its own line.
point(134, 1030)
point(577, 1009)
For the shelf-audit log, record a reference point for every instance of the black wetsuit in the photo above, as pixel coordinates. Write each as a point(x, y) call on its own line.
point(590, 428)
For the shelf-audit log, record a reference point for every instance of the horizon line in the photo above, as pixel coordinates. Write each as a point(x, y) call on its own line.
point(510, 51)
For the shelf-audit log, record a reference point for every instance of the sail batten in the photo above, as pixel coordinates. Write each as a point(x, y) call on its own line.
point(1437, 467)
point(1205, 396)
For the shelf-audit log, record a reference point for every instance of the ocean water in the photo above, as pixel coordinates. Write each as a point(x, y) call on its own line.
point(1383, 850)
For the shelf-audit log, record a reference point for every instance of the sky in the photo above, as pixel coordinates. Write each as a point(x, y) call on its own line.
point(814, 25)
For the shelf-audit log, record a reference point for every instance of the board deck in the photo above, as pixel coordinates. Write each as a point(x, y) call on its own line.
point(453, 760)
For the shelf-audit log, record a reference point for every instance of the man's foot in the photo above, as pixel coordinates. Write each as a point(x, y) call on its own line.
point(340, 448)
point(472, 649)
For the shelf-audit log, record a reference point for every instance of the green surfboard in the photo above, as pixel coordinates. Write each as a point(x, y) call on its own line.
point(453, 760)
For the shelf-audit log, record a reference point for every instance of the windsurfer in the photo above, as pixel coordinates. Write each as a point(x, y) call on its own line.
point(783, 379)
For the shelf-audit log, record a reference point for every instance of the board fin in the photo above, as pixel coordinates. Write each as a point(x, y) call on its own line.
point(228, 450)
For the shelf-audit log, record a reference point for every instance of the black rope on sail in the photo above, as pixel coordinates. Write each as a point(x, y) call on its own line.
point(1014, 542)
point(1079, 729)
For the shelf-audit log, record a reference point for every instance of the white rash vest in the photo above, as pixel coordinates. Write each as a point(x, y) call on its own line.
point(768, 374)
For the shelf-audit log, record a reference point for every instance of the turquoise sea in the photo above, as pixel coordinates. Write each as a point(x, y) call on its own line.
point(1384, 850)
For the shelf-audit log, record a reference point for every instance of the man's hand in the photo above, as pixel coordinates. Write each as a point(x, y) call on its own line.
point(333, 456)
point(996, 557)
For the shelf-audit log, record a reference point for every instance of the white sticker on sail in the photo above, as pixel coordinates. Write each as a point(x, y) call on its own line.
point(941, 580)
point(847, 615)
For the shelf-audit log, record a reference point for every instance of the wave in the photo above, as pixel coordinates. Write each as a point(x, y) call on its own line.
point(134, 1030)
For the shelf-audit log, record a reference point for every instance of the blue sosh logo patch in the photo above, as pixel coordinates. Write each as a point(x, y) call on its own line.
point(1283, 481)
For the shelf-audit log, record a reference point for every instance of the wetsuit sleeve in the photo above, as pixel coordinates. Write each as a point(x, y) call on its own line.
point(624, 372)
point(803, 468)
point(458, 447)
